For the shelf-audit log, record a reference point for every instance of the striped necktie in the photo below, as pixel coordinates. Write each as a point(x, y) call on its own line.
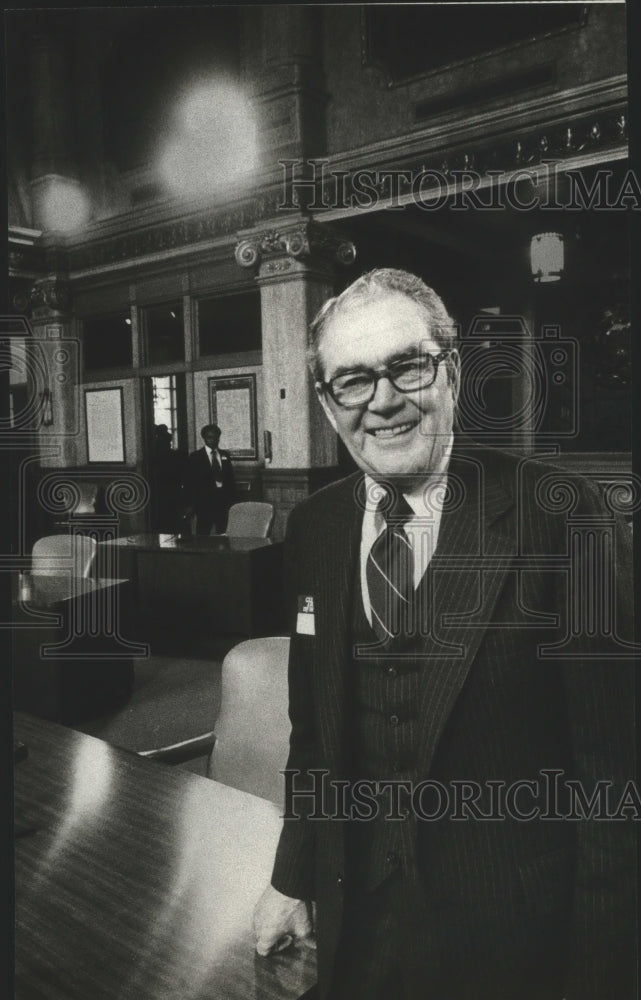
point(390, 575)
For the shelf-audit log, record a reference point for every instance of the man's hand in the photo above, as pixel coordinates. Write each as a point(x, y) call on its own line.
point(280, 920)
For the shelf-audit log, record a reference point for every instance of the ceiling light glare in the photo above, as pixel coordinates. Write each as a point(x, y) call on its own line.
point(214, 147)
point(66, 207)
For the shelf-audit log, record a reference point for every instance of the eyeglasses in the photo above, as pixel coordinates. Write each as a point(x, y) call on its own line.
point(408, 374)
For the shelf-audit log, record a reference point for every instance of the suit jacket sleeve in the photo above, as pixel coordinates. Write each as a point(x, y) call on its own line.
point(600, 697)
point(294, 865)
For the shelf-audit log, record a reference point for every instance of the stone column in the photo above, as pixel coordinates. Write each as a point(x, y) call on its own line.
point(295, 270)
point(55, 366)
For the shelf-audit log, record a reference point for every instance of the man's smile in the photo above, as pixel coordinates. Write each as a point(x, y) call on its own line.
point(392, 432)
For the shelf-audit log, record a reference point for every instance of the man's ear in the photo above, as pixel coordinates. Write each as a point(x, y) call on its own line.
point(322, 398)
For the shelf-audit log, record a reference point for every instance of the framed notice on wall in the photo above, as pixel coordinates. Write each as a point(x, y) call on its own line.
point(104, 419)
point(232, 405)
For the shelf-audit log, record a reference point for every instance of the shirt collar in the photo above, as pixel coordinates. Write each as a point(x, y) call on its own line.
point(427, 505)
point(423, 502)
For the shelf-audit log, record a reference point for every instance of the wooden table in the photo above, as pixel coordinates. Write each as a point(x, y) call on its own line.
point(70, 656)
point(214, 584)
point(137, 881)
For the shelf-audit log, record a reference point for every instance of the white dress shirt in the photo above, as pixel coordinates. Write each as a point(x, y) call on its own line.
point(210, 453)
point(422, 530)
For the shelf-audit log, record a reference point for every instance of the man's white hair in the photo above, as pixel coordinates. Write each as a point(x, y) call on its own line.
point(372, 284)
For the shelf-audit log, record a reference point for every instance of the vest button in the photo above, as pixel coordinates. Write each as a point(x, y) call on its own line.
point(339, 880)
point(392, 672)
point(392, 859)
point(394, 720)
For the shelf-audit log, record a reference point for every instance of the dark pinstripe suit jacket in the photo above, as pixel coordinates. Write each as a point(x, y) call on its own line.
point(514, 546)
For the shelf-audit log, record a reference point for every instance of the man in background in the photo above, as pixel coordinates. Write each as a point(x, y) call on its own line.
point(209, 483)
point(167, 474)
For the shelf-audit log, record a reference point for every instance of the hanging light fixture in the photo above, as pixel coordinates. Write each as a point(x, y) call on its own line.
point(547, 257)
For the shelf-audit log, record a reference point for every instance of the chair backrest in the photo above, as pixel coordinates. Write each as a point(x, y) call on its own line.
point(253, 727)
point(58, 554)
point(87, 500)
point(250, 519)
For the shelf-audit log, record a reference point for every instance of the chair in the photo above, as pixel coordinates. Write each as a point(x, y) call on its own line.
point(88, 495)
point(56, 554)
point(185, 750)
point(250, 743)
point(252, 729)
point(250, 519)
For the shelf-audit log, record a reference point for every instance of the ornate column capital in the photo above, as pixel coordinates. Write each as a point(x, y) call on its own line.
point(50, 297)
point(307, 241)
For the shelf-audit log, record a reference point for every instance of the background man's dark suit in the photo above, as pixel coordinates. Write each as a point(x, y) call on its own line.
point(512, 909)
point(209, 502)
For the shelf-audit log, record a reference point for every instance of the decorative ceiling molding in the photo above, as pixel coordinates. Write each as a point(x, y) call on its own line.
point(570, 136)
point(469, 126)
point(171, 237)
point(566, 144)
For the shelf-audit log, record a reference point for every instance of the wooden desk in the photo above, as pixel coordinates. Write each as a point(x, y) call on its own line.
point(69, 655)
point(216, 585)
point(137, 881)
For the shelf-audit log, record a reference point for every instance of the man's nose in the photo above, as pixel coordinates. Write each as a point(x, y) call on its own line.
point(386, 396)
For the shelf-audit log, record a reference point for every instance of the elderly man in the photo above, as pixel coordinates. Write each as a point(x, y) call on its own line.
point(455, 716)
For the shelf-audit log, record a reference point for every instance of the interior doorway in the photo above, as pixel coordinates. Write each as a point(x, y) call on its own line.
point(165, 437)
point(165, 396)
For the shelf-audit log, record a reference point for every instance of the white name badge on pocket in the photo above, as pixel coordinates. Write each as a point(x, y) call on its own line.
point(305, 624)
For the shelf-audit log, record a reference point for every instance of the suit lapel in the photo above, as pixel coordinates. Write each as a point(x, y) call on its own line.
point(458, 598)
point(333, 615)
